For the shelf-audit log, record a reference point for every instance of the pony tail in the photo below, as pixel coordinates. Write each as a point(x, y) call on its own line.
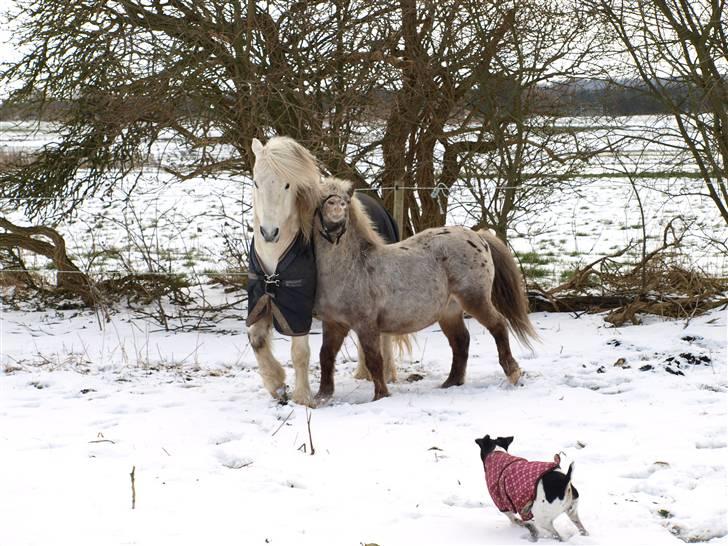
point(508, 293)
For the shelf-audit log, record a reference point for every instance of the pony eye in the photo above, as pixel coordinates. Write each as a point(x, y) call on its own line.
point(255, 183)
point(288, 186)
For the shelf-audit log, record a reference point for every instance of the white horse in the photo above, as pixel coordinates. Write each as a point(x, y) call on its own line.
point(286, 193)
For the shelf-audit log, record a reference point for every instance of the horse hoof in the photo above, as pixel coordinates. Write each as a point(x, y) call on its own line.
point(303, 398)
point(323, 398)
point(514, 376)
point(280, 394)
point(379, 396)
point(452, 383)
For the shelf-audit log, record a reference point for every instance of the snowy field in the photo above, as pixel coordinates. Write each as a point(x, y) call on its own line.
point(216, 461)
point(640, 409)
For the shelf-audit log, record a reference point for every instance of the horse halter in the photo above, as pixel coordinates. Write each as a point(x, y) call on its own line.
point(325, 233)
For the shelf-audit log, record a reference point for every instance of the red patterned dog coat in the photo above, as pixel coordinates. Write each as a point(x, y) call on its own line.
point(512, 481)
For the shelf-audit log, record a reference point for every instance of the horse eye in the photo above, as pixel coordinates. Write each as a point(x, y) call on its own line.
point(255, 183)
point(288, 186)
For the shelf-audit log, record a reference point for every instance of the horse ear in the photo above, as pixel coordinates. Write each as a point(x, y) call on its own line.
point(256, 146)
point(346, 185)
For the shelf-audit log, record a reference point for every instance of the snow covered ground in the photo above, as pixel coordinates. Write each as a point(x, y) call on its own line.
point(216, 461)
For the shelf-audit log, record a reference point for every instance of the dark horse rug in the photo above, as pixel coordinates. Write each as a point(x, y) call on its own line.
point(288, 294)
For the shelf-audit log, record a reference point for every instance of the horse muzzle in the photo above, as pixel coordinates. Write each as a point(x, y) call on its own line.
point(270, 235)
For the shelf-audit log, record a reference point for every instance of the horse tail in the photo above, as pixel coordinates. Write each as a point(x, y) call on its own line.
point(403, 342)
point(508, 293)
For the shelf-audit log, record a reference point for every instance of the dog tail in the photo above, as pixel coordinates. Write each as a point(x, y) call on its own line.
point(569, 472)
point(570, 492)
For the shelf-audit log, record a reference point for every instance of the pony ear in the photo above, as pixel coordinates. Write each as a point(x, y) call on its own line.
point(256, 146)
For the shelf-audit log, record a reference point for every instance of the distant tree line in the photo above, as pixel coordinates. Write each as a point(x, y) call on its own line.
point(588, 97)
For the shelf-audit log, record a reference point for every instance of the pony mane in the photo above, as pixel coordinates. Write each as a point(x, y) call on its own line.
point(296, 165)
point(359, 220)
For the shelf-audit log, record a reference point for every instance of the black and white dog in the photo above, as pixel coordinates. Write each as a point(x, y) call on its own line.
point(534, 490)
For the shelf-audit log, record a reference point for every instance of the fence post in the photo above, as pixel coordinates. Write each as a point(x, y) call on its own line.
point(399, 207)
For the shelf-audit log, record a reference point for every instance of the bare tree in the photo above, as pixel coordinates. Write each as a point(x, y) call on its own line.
point(520, 101)
point(678, 52)
point(210, 73)
point(384, 92)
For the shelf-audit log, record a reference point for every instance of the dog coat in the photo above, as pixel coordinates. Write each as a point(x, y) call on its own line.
point(512, 481)
point(288, 294)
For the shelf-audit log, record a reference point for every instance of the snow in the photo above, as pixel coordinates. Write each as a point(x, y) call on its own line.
point(216, 461)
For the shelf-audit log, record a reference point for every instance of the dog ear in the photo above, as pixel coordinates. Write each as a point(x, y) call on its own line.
point(504, 442)
point(486, 444)
point(482, 442)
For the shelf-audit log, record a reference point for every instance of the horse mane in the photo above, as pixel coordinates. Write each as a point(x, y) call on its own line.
point(359, 219)
point(296, 165)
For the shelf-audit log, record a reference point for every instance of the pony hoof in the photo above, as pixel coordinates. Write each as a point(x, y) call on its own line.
point(281, 395)
point(514, 376)
point(323, 398)
point(452, 383)
point(379, 396)
point(303, 398)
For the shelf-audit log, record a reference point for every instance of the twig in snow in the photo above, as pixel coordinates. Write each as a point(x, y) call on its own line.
point(309, 414)
point(283, 423)
point(133, 487)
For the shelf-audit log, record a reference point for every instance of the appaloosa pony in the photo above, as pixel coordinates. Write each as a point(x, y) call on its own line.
point(369, 287)
point(282, 270)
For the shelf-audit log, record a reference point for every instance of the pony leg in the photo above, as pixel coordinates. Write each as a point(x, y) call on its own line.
point(453, 326)
point(390, 364)
point(300, 355)
point(370, 341)
point(495, 322)
point(273, 374)
point(333, 337)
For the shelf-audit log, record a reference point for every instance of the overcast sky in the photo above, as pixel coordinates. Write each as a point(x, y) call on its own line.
point(7, 52)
